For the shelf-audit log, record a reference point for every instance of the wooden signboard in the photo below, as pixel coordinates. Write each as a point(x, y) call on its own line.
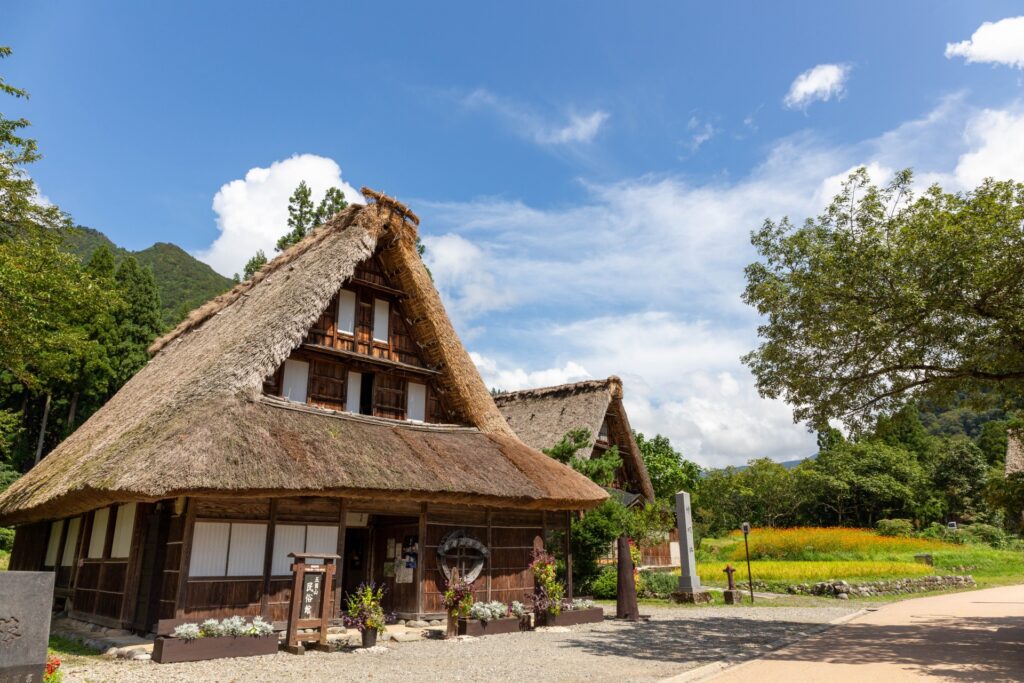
point(312, 600)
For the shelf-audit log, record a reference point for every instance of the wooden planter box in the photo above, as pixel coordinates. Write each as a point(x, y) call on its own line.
point(170, 650)
point(573, 617)
point(476, 627)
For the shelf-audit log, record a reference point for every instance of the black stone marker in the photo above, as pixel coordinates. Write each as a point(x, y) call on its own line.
point(26, 600)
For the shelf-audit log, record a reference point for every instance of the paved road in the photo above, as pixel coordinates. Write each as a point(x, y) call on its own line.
point(973, 636)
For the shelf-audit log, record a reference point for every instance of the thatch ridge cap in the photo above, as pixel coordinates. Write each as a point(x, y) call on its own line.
point(612, 384)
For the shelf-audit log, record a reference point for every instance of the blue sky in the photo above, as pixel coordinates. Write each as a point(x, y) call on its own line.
point(588, 173)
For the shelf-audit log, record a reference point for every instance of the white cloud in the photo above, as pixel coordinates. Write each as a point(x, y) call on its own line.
point(579, 129)
point(1000, 42)
point(643, 277)
point(822, 82)
point(996, 142)
point(700, 132)
point(252, 212)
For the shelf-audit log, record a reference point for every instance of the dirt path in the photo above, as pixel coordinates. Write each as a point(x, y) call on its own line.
point(972, 636)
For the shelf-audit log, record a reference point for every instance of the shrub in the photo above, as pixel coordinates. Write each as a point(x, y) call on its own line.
point(211, 628)
point(260, 628)
point(658, 584)
point(984, 533)
point(940, 532)
point(234, 626)
point(895, 527)
point(606, 585)
point(6, 538)
point(580, 603)
point(517, 609)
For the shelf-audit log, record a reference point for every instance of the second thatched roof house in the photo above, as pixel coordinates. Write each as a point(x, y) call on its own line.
point(324, 406)
point(542, 417)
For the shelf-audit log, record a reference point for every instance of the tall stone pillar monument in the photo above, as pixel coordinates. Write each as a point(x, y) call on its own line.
point(690, 589)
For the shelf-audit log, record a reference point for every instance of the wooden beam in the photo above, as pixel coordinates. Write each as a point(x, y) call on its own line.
point(421, 560)
point(268, 560)
point(490, 562)
point(568, 554)
point(186, 557)
point(371, 360)
point(339, 574)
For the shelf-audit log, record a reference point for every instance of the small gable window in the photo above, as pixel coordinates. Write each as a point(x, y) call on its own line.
point(381, 315)
point(417, 402)
point(347, 311)
point(296, 380)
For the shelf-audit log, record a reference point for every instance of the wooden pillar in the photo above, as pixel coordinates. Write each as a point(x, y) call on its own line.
point(268, 560)
point(186, 557)
point(490, 562)
point(340, 570)
point(568, 554)
point(421, 560)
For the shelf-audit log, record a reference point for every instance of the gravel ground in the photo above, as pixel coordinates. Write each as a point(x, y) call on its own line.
point(674, 640)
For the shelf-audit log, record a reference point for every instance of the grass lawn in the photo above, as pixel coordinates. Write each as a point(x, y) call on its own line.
point(5, 560)
point(70, 651)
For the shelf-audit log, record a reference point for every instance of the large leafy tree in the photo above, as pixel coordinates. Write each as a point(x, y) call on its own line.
point(668, 470)
point(303, 217)
point(885, 296)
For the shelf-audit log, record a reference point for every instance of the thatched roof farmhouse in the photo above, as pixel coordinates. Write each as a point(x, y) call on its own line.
point(541, 417)
point(325, 405)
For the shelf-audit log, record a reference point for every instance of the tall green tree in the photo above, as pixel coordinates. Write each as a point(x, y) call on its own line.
point(669, 471)
point(958, 476)
point(138, 318)
point(885, 296)
point(303, 217)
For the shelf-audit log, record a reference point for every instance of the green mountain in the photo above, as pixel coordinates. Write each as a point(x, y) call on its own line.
point(184, 282)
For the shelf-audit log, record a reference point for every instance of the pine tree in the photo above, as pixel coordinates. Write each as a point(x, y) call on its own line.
point(255, 263)
point(138, 318)
point(332, 203)
point(301, 216)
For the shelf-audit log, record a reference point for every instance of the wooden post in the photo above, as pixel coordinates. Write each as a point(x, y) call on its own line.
point(626, 606)
point(489, 546)
point(339, 575)
point(568, 554)
point(421, 559)
point(268, 560)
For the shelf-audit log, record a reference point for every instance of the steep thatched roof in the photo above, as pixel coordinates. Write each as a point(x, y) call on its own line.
point(194, 420)
point(541, 417)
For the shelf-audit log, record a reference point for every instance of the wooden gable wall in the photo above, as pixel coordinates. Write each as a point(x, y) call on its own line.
point(332, 354)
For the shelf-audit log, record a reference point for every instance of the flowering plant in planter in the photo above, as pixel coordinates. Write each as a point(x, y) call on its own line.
point(458, 597)
point(230, 627)
point(364, 610)
point(548, 591)
point(486, 611)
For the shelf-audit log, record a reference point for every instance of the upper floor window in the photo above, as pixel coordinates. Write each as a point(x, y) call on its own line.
point(295, 381)
point(381, 316)
point(416, 402)
point(347, 311)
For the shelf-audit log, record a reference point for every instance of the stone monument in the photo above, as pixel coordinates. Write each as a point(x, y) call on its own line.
point(26, 600)
point(690, 589)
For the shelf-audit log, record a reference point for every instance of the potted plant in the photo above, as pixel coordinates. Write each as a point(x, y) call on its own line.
point(458, 599)
point(548, 591)
point(365, 612)
point(486, 618)
point(212, 639)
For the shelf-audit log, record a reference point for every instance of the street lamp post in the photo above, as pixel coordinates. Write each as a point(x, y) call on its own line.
point(746, 544)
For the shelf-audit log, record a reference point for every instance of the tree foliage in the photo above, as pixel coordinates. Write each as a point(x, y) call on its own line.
point(254, 264)
point(303, 217)
point(885, 296)
point(668, 470)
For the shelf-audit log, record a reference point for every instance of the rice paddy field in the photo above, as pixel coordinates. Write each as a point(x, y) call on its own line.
point(809, 554)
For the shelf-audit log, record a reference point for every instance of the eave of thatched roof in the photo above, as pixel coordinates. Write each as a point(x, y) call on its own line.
point(542, 416)
point(193, 420)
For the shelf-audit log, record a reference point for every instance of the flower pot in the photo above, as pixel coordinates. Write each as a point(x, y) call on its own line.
point(369, 637)
point(572, 617)
point(478, 627)
point(169, 650)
